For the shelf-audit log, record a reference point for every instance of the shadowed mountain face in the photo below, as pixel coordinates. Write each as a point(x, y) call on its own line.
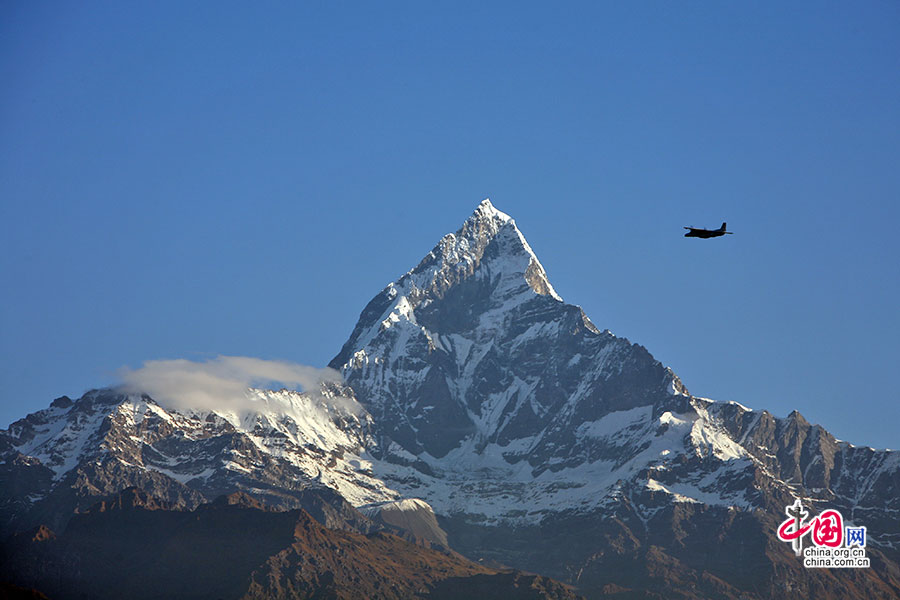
point(133, 547)
point(545, 443)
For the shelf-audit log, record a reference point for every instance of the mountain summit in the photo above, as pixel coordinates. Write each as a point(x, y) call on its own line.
point(488, 247)
point(474, 346)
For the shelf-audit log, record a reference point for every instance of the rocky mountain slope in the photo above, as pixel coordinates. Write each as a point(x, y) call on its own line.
point(135, 546)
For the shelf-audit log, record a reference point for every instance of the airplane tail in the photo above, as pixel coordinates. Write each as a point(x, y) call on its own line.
point(722, 228)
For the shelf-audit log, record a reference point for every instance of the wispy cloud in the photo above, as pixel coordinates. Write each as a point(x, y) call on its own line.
point(224, 382)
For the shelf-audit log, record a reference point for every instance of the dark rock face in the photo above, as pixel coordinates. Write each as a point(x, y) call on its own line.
point(508, 585)
point(131, 548)
point(14, 592)
point(684, 550)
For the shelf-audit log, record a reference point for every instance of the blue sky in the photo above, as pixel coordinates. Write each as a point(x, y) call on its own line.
point(183, 180)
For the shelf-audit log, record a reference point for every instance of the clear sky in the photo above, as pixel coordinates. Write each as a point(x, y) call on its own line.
point(189, 179)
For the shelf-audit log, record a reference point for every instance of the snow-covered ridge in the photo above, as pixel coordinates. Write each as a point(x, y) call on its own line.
point(405, 505)
point(628, 445)
point(286, 439)
point(56, 438)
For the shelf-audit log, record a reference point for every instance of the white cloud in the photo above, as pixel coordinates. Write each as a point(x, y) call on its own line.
point(224, 382)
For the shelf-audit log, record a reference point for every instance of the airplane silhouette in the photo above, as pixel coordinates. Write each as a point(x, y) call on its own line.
point(706, 233)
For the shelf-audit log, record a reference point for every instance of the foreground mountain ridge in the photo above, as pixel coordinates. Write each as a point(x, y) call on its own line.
point(540, 441)
point(233, 548)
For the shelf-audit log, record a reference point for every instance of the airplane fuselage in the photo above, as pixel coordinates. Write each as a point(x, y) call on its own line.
point(706, 233)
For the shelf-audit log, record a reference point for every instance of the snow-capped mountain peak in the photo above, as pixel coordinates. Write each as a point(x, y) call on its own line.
point(486, 261)
point(490, 244)
point(475, 344)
